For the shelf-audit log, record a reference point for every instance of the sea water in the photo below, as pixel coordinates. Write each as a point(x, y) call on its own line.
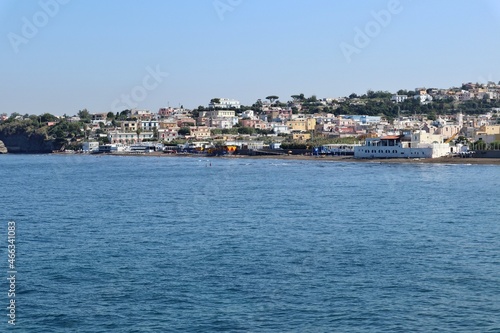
point(152, 244)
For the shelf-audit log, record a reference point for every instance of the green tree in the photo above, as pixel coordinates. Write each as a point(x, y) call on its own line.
point(184, 131)
point(246, 130)
point(14, 115)
point(264, 131)
point(312, 99)
point(216, 131)
point(479, 145)
point(272, 98)
point(84, 115)
point(462, 139)
point(47, 117)
point(195, 113)
point(215, 101)
point(138, 132)
point(233, 130)
point(495, 145)
point(103, 140)
point(123, 115)
point(257, 105)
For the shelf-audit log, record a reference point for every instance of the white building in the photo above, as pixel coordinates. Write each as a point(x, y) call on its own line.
point(420, 145)
point(280, 128)
point(488, 95)
point(218, 114)
point(141, 113)
point(113, 148)
point(255, 145)
point(399, 98)
point(248, 114)
point(224, 103)
point(423, 98)
point(73, 119)
point(128, 137)
point(105, 122)
point(89, 147)
point(222, 122)
point(464, 95)
point(150, 125)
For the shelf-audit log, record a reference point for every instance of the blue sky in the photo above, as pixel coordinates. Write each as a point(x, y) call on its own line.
point(89, 53)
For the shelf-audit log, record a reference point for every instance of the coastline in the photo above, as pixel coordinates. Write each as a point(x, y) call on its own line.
point(351, 159)
point(440, 160)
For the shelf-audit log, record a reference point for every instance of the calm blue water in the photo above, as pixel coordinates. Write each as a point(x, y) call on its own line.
point(147, 244)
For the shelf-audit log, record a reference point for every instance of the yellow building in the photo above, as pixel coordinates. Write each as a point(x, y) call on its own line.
point(489, 130)
point(488, 133)
point(200, 132)
point(301, 136)
point(129, 126)
point(168, 124)
point(308, 124)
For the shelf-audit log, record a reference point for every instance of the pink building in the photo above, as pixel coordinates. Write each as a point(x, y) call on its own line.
point(167, 134)
point(165, 112)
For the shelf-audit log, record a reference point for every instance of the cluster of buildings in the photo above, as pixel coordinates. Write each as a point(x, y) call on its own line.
point(467, 92)
point(226, 120)
point(409, 137)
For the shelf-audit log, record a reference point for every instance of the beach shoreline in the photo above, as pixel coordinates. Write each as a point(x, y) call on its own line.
point(351, 159)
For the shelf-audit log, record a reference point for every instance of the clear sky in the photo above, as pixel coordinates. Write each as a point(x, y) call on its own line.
point(60, 56)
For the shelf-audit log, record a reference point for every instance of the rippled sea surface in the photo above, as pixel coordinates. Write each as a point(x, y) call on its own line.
point(148, 244)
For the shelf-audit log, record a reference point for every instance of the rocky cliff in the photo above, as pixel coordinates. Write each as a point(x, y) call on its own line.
point(20, 138)
point(3, 149)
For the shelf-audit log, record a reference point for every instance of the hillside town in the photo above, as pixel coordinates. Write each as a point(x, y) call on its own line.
point(422, 123)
